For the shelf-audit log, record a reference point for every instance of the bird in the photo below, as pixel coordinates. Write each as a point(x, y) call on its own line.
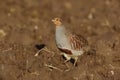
point(69, 43)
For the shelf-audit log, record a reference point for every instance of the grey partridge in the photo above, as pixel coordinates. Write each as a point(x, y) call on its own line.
point(69, 43)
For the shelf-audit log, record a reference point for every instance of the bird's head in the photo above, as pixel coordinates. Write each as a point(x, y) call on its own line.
point(57, 21)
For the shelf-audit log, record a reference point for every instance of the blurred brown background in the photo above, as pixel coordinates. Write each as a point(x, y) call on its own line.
point(26, 23)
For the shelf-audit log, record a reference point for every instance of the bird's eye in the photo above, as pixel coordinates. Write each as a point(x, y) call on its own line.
point(57, 19)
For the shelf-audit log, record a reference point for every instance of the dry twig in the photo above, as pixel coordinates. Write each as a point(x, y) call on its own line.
point(46, 50)
point(53, 67)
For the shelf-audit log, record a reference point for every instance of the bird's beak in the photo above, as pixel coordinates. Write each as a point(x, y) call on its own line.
point(53, 20)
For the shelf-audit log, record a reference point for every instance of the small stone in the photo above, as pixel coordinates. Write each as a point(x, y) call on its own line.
point(106, 23)
point(112, 72)
point(9, 14)
point(36, 27)
point(107, 2)
point(90, 16)
point(2, 33)
point(12, 10)
point(68, 5)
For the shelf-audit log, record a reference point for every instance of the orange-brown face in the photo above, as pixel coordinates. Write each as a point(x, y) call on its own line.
point(57, 21)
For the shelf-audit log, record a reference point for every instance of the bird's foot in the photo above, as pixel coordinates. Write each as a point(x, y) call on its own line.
point(66, 60)
point(67, 57)
point(76, 59)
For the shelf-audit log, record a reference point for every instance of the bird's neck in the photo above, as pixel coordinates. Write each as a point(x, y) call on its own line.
point(60, 29)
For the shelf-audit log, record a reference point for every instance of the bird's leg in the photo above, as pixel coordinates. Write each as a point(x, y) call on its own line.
point(67, 57)
point(76, 59)
point(66, 60)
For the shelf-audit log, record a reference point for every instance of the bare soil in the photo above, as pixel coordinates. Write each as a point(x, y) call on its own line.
point(26, 27)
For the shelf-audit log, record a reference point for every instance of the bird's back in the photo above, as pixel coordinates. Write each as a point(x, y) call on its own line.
point(70, 41)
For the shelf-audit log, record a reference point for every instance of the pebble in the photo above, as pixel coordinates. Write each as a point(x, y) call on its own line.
point(68, 5)
point(2, 33)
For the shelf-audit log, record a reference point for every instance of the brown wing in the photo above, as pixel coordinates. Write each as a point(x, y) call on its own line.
point(65, 51)
point(77, 41)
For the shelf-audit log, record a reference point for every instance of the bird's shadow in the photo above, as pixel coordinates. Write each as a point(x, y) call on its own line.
point(71, 60)
point(39, 46)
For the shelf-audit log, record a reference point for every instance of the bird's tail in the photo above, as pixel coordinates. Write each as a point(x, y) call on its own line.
point(90, 50)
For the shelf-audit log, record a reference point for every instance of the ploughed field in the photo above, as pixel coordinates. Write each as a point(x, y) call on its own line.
point(26, 28)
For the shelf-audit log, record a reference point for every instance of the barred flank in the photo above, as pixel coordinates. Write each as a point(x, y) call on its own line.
point(75, 42)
